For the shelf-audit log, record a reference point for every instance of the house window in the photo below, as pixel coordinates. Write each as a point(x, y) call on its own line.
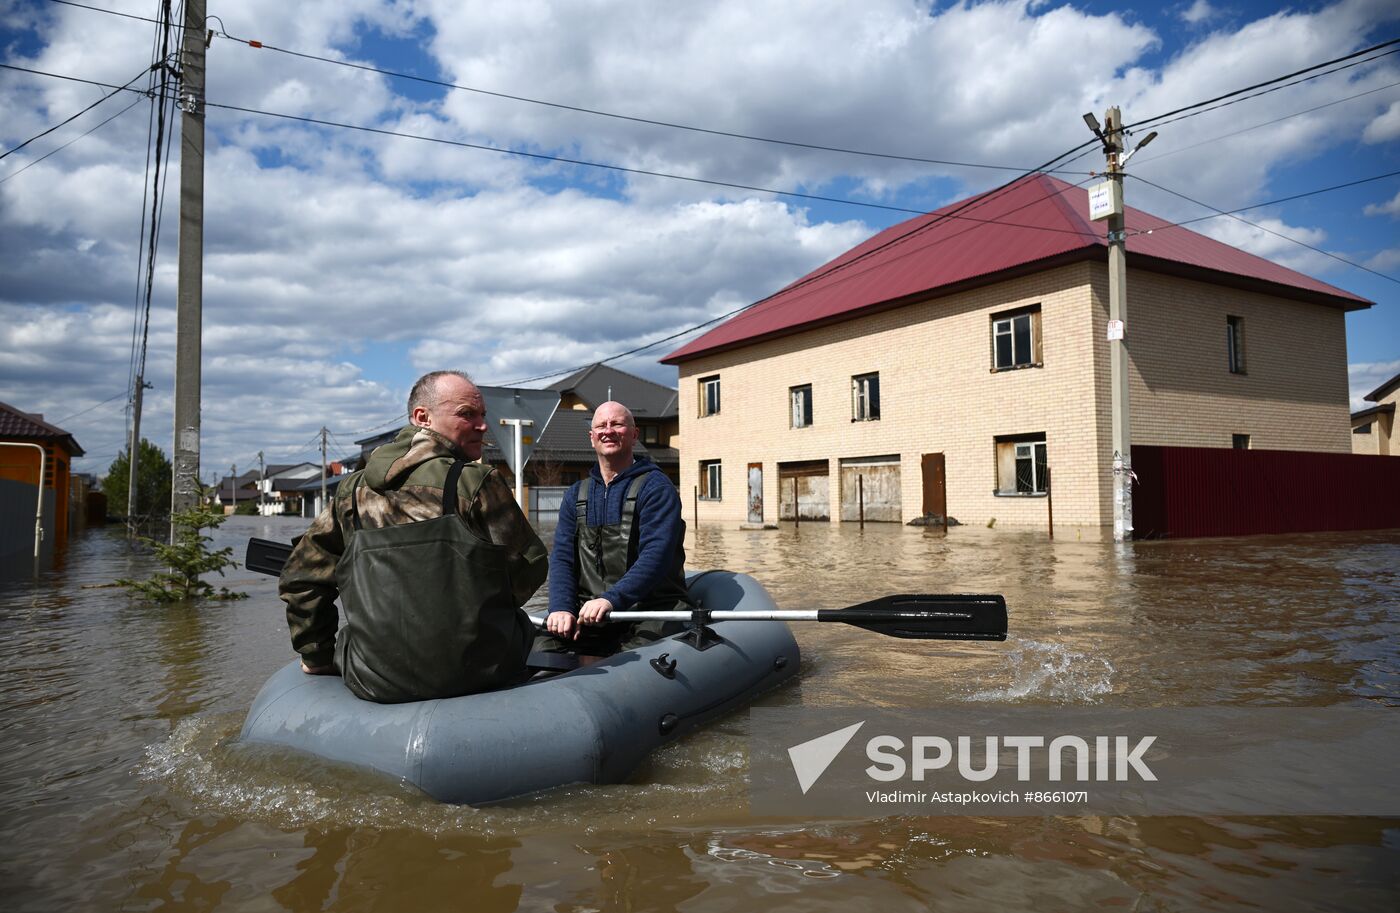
point(1234, 342)
point(1016, 339)
point(711, 481)
point(801, 400)
point(1239, 441)
point(650, 434)
point(1363, 429)
point(1022, 465)
point(865, 397)
point(709, 395)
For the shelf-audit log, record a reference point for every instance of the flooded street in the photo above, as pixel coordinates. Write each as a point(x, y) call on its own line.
point(123, 788)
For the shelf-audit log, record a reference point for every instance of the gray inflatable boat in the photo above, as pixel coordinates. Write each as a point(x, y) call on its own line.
point(595, 724)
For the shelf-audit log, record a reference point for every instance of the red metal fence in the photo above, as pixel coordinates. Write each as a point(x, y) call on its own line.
point(1203, 491)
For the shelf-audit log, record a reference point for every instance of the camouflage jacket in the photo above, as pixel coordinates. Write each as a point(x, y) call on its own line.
point(401, 483)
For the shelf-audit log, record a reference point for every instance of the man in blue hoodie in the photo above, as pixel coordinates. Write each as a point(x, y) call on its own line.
point(618, 547)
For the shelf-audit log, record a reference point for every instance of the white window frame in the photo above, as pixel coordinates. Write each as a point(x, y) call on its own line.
point(1030, 451)
point(800, 405)
point(709, 386)
point(864, 407)
point(711, 480)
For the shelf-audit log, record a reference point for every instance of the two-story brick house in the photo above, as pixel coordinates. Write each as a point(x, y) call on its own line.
point(969, 354)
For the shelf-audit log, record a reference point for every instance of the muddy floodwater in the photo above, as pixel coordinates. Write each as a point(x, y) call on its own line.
point(122, 786)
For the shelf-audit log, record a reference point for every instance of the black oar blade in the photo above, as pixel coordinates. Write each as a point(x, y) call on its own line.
point(927, 617)
point(267, 557)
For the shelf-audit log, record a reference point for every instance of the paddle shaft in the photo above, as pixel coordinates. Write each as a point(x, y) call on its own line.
point(913, 616)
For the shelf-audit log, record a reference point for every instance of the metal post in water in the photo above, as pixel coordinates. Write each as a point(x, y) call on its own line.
point(796, 508)
point(860, 492)
point(1049, 503)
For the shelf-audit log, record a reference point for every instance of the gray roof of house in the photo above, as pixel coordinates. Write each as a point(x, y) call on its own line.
point(645, 398)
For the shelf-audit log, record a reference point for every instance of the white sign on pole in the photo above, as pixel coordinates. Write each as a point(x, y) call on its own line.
point(535, 406)
point(1105, 200)
point(1115, 330)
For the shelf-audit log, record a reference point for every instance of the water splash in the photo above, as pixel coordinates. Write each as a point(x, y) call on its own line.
point(1054, 672)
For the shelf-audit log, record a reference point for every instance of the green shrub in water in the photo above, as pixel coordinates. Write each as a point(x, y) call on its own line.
point(187, 559)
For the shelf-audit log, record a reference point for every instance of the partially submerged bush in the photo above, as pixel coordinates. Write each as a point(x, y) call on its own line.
point(187, 559)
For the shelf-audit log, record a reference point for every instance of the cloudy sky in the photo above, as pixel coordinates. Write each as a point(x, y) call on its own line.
point(340, 264)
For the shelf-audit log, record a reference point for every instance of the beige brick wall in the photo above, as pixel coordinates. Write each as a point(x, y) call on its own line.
point(939, 394)
point(1384, 439)
point(1292, 396)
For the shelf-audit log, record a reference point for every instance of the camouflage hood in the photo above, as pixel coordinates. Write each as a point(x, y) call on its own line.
point(392, 463)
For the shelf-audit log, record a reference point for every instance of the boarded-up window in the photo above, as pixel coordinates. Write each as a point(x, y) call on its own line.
point(874, 483)
point(1022, 461)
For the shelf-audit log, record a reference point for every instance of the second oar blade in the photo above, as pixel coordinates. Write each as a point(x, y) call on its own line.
point(927, 617)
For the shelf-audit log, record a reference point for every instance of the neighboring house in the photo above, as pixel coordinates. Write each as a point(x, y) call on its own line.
point(966, 352)
point(281, 486)
point(654, 406)
point(1373, 429)
point(562, 454)
point(231, 491)
point(19, 477)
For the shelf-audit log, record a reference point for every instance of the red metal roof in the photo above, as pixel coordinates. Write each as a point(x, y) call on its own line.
point(1036, 223)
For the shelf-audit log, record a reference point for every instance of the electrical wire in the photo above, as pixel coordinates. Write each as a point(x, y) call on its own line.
point(1150, 157)
point(1159, 119)
point(1296, 196)
point(99, 9)
point(88, 409)
point(9, 152)
point(88, 132)
point(1221, 212)
point(671, 125)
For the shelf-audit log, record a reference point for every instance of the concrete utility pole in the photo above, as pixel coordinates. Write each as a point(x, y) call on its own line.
point(184, 490)
point(233, 485)
point(323, 468)
point(133, 456)
point(1118, 347)
point(1107, 201)
point(262, 477)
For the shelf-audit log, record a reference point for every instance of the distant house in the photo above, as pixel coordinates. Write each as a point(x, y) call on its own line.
point(22, 436)
point(947, 364)
point(656, 407)
point(231, 491)
point(1373, 429)
point(562, 454)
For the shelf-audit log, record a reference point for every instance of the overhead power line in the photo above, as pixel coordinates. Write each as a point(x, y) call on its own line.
point(1215, 139)
point(671, 125)
point(9, 152)
point(57, 149)
point(89, 408)
point(1159, 119)
point(1296, 196)
point(579, 109)
point(99, 9)
point(1220, 212)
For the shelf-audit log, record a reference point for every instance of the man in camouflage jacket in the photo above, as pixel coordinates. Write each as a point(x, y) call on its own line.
point(454, 648)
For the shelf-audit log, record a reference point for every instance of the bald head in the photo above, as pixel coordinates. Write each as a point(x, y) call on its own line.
point(613, 435)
